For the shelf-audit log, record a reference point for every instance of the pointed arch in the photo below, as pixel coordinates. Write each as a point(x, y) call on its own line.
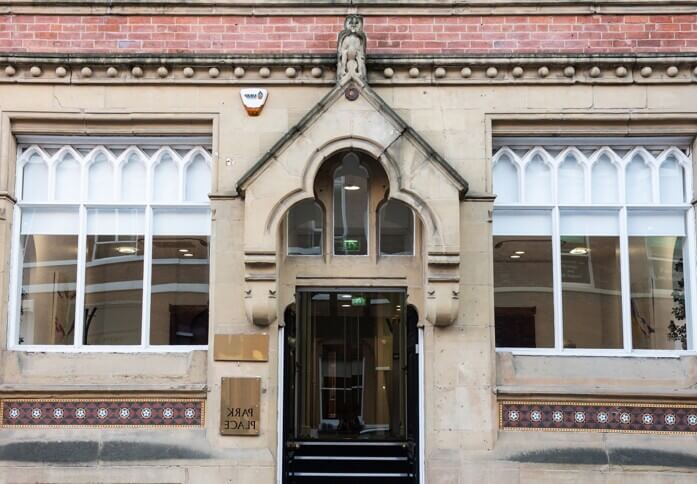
point(639, 176)
point(506, 176)
point(572, 174)
point(538, 176)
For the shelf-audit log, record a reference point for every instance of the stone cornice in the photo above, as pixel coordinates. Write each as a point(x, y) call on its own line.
point(320, 69)
point(343, 7)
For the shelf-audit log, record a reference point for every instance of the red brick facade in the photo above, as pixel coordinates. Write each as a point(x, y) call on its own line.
point(589, 34)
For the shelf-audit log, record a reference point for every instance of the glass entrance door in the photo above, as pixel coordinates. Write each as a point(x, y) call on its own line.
point(350, 365)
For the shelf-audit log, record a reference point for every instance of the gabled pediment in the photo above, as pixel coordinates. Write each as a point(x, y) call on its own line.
point(366, 117)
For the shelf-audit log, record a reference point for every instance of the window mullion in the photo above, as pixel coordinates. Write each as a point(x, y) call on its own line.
point(625, 285)
point(80, 279)
point(557, 282)
point(147, 278)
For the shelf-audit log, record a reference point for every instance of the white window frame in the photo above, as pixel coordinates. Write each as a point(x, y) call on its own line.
point(680, 147)
point(199, 145)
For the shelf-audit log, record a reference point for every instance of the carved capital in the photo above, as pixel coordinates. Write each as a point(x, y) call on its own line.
point(260, 301)
point(443, 292)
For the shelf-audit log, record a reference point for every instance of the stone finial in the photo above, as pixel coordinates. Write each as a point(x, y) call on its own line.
point(351, 47)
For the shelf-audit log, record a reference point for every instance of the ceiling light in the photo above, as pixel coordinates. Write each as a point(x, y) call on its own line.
point(345, 305)
point(126, 249)
point(519, 252)
point(515, 256)
point(579, 251)
point(352, 187)
point(183, 250)
point(188, 254)
point(345, 296)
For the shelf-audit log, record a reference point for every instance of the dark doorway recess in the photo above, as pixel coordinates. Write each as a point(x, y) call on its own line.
point(351, 404)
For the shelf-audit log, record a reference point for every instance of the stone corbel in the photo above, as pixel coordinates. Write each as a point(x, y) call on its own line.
point(260, 301)
point(443, 291)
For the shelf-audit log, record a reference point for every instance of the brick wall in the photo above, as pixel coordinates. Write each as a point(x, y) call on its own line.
point(399, 34)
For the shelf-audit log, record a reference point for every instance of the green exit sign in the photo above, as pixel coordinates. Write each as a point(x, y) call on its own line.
point(358, 301)
point(352, 245)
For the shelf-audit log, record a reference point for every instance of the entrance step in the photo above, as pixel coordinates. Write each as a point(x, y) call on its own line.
point(350, 462)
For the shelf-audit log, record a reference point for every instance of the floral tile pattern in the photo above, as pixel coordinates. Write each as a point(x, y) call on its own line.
point(569, 416)
point(102, 412)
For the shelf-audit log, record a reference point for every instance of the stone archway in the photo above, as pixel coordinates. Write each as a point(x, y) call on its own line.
point(417, 175)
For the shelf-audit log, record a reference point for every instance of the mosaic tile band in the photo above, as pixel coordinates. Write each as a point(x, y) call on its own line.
point(568, 416)
point(102, 413)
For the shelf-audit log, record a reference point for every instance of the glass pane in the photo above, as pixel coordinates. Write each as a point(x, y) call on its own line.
point(166, 184)
point(591, 295)
point(68, 179)
point(114, 277)
point(49, 271)
point(198, 180)
point(658, 293)
point(351, 365)
point(396, 229)
point(523, 299)
point(572, 187)
point(538, 181)
point(305, 228)
point(179, 301)
point(351, 207)
point(672, 184)
point(35, 180)
point(100, 186)
point(638, 183)
point(133, 179)
point(604, 186)
point(505, 181)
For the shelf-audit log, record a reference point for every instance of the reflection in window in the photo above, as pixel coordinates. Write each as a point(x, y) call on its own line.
point(305, 228)
point(179, 301)
point(657, 289)
point(114, 277)
point(49, 268)
point(351, 207)
point(591, 297)
point(396, 229)
point(523, 298)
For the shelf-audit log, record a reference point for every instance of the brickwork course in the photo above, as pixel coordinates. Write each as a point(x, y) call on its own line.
point(586, 34)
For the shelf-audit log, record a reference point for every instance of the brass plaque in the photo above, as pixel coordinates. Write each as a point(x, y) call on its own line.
point(239, 406)
point(241, 347)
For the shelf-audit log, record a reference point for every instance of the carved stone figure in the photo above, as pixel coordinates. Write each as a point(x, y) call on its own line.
point(351, 49)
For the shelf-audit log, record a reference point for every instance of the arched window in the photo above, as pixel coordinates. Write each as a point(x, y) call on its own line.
point(506, 181)
point(672, 183)
point(100, 187)
point(133, 178)
point(571, 181)
point(396, 229)
point(604, 181)
point(305, 228)
point(351, 207)
point(166, 188)
point(638, 181)
point(538, 181)
point(67, 184)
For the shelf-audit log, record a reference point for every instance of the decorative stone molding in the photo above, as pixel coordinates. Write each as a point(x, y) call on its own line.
point(321, 69)
point(157, 412)
point(442, 293)
point(340, 7)
point(260, 302)
point(606, 416)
